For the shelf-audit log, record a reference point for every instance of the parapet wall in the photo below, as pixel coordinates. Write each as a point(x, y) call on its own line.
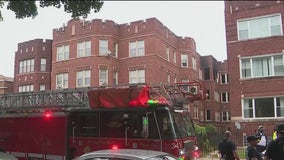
point(77, 28)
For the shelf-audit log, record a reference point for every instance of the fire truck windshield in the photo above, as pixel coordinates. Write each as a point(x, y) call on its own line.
point(183, 124)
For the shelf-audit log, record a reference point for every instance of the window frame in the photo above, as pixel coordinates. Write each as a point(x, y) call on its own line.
point(86, 78)
point(101, 72)
point(136, 75)
point(84, 49)
point(251, 62)
point(103, 47)
point(251, 107)
point(134, 48)
point(64, 54)
point(64, 78)
point(184, 60)
point(248, 28)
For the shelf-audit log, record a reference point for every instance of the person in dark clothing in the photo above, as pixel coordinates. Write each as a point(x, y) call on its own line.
point(275, 149)
point(252, 153)
point(261, 146)
point(227, 149)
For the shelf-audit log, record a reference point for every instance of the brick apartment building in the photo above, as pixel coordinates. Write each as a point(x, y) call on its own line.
point(32, 66)
point(254, 32)
point(6, 84)
point(97, 53)
point(93, 53)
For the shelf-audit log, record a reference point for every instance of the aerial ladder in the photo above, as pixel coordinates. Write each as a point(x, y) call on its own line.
point(76, 98)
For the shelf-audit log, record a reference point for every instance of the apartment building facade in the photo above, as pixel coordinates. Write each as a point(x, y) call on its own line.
point(97, 53)
point(254, 33)
point(6, 84)
point(32, 66)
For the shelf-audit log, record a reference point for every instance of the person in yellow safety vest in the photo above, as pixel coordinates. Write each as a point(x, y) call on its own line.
point(274, 134)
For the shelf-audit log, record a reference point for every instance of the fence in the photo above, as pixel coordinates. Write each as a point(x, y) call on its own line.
point(208, 143)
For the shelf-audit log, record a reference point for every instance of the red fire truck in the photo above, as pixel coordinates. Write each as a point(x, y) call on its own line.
point(64, 124)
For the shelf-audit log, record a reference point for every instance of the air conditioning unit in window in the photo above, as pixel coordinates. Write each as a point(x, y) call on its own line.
point(103, 83)
point(194, 90)
point(59, 86)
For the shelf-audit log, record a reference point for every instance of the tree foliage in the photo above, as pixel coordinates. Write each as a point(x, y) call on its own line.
point(77, 8)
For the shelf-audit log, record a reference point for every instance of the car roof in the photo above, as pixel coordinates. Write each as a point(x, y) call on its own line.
point(124, 153)
point(6, 156)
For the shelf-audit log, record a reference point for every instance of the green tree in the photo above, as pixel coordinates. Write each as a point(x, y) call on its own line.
point(24, 9)
point(205, 135)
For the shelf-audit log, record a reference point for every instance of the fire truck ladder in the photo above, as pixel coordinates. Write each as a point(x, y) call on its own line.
point(179, 93)
point(66, 98)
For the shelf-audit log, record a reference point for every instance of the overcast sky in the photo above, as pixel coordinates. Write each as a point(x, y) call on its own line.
point(201, 20)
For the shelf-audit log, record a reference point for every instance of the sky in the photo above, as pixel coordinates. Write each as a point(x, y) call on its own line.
point(201, 20)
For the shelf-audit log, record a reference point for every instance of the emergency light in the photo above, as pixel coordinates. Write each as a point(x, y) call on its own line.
point(47, 114)
point(114, 147)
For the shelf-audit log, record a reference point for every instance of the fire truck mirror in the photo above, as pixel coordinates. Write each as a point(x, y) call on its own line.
point(145, 129)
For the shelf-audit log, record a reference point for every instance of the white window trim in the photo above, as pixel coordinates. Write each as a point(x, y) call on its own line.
point(182, 59)
point(251, 65)
point(136, 48)
point(100, 82)
point(258, 17)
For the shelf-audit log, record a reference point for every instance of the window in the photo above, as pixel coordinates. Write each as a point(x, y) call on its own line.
point(216, 96)
point(41, 87)
point(266, 66)
point(137, 76)
point(136, 49)
point(169, 78)
point(175, 57)
point(185, 88)
point(206, 73)
point(168, 53)
point(116, 50)
point(263, 107)
point(217, 116)
point(84, 49)
point(62, 53)
point(208, 94)
point(103, 76)
point(259, 27)
point(184, 60)
point(224, 78)
point(62, 80)
point(43, 64)
point(194, 63)
point(27, 66)
point(225, 97)
point(103, 48)
point(83, 78)
point(225, 116)
point(200, 74)
point(195, 112)
point(26, 88)
point(115, 78)
point(208, 115)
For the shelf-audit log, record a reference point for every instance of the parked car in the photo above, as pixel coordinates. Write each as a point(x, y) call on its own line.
point(7, 156)
point(127, 154)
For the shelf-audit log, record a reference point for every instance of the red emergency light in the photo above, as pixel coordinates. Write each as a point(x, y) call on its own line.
point(114, 147)
point(47, 114)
